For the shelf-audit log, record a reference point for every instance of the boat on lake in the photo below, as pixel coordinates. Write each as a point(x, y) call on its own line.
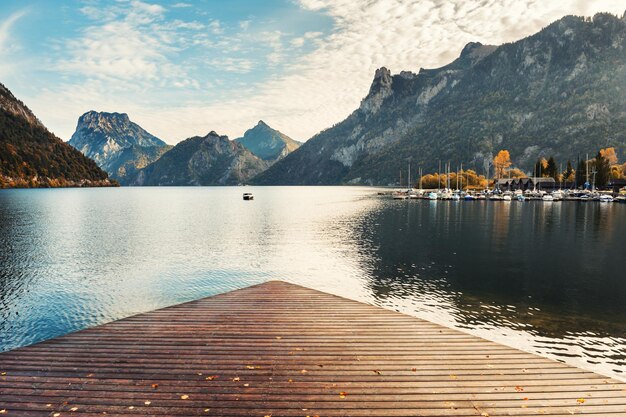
point(248, 196)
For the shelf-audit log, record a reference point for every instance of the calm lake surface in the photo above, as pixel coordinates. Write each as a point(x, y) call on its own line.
point(544, 277)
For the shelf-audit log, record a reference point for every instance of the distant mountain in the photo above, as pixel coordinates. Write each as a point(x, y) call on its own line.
point(31, 156)
point(208, 160)
point(559, 92)
point(267, 143)
point(118, 145)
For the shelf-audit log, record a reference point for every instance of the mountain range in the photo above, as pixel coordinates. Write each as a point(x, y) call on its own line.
point(31, 156)
point(559, 92)
point(132, 155)
point(118, 145)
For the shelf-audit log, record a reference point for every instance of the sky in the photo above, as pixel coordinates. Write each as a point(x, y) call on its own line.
point(184, 68)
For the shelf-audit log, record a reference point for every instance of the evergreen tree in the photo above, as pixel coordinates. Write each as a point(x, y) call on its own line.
point(603, 168)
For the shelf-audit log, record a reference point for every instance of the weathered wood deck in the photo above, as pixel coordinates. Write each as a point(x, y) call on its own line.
point(283, 350)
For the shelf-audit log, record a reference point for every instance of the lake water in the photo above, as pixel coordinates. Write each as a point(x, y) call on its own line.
point(543, 277)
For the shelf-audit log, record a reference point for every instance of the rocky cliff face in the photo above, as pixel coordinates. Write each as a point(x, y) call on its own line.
point(208, 160)
point(31, 156)
point(559, 92)
point(267, 143)
point(118, 145)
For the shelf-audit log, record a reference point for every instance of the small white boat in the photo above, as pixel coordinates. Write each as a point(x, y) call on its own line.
point(398, 195)
point(432, 196)
point(456, 197)
point(520, 197)
point(468, 197)
point(547, 197)
point(506, 197)
point(248, 196)
point(606, 199)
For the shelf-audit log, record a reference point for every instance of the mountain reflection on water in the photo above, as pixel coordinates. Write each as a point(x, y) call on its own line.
point(543, 277)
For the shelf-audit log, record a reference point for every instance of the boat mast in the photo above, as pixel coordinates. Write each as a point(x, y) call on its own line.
point(439, 176)
point(408, 183)
point(587, 169)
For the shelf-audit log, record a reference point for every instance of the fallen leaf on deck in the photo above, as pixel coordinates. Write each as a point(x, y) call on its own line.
point(155, 386)
point(73, 408)
point(236, 379)
point(56, 414)
point(211, 378)
point(278, 337)
point(304, 371)
point(132, 407)
point(147, 402)
point(3, 411)
point(290, 381)
point(525, 398)
point(250, 367)
point(414, 369)
point(48, 405)
point(343, 394)
point(453, 377)
point(184, 397)
point(519, 389)
point(580, 400)
point(246, 385)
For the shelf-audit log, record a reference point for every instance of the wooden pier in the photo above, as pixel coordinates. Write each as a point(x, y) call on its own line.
point(278, 349)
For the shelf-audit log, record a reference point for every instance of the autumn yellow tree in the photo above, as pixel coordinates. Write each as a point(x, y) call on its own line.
point(501, 162)
point(610, 155)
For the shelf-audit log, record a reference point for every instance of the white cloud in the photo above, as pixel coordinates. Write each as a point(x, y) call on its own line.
point(5, 28)
point(297, 42)
point(216, 27)
point(236, 65)
point(181, 5)
point(7, 45)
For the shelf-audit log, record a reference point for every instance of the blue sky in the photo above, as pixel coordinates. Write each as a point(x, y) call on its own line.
point(183, 68)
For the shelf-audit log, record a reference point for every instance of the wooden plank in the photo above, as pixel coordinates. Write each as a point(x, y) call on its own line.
point(283, 350)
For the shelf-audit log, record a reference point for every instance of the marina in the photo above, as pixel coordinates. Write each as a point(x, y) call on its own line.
point(517, 195)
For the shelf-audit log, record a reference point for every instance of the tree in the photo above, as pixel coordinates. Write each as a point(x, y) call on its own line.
point(568, 174)
point(501, 162)
point(610, 155)
point(603, 170)
point(516, 173)
point(551, 169)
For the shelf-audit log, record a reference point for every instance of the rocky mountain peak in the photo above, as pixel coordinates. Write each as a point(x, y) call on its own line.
point(267, 143)
point(214, 135)
point(379, 91)
point(476, 51)
point(117, 144)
